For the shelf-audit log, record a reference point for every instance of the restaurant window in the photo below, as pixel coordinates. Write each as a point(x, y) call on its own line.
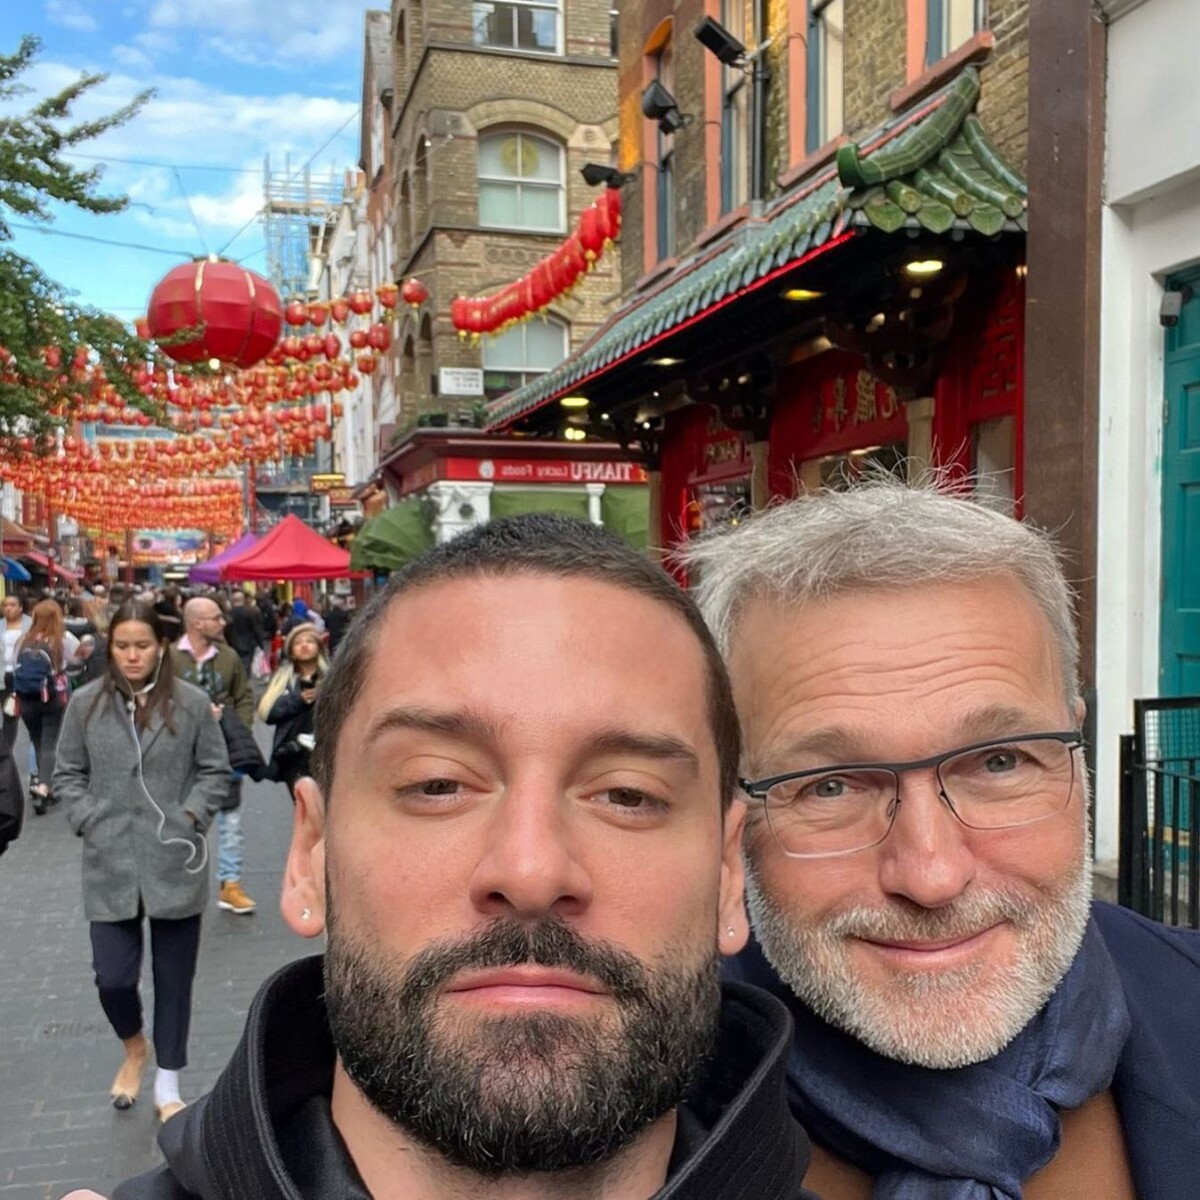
point(522, 353)
point(826, 72)
point(949, 24)
point(521, 182)
point(519, 25)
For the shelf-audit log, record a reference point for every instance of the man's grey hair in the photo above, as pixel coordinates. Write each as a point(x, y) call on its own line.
point(877, 535)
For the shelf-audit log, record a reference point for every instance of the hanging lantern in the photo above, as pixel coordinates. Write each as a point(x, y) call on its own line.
point(235, 313)
point(361, 302)
point(379, 337)
point(387, 293)
point(591, 235)
point(296, 313)
point(414, 293)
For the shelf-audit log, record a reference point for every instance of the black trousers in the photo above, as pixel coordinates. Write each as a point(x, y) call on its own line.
point(117, 961)
point(43, 721)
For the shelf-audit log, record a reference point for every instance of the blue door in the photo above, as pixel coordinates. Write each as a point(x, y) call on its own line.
point(1179, 642)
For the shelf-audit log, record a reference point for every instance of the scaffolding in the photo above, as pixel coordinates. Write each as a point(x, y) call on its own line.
point(299, 215)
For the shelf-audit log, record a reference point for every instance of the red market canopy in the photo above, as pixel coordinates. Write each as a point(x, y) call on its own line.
point(290, 551)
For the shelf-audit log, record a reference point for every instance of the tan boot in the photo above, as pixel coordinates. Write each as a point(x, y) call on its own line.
point(128, 1080)
point(233, 899)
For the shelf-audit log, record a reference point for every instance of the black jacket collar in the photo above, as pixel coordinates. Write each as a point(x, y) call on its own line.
point(741, 1139)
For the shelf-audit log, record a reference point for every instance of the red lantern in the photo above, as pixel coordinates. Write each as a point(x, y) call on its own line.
point(458, 315)
point(379, 337)
point(236, 312)
point(361, 302)
point(339, 310)
point(332, 346)
point(591, 235)
point(414, 293)
point(387, 293)
point(296, 313)
point(358, 339)
point(318, 314)
point(366, 363)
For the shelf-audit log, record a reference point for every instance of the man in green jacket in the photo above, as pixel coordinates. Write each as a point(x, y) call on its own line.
point(202, 657)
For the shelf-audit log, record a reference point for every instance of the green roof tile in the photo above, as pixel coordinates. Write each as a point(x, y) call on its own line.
point(937, 171)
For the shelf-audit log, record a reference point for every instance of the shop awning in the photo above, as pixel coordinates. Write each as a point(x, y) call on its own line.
point(388, 541)
point(933, 170)
point(14, 572)
point(15, 539)
point(55, 569)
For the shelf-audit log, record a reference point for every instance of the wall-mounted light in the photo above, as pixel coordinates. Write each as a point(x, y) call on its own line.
point(716, 39)
point(921, 267)
point(595, 174)
point(665, 361)
point(574, 434)
point(659, 105)
point(574, 402)
point(801, 294)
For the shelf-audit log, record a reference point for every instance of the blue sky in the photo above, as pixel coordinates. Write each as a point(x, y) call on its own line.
point(235, 80)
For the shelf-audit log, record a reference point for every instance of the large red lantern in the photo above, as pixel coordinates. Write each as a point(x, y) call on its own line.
point(236, 313)
point(414, 293)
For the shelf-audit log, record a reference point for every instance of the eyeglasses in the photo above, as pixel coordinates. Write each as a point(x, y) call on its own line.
point(998, 784)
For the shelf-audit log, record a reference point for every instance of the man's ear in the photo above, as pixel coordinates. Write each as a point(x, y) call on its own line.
point(302, 902)
point(734, 926)
point(1080, 712)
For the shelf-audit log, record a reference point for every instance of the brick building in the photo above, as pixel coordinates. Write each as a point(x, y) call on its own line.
point(823, 254)
point(496, 108)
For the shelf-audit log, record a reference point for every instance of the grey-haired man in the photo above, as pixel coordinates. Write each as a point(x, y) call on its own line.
point(968, 1025)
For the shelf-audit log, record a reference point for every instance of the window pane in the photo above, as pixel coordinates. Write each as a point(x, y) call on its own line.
point(960, 22)
point(540, 207)
point(537, 29)
point(505, 353)
point(546, 344)
point(498, 204)
point(498, 156)
point(494, 24)
point(540, 160)
point(834, 38)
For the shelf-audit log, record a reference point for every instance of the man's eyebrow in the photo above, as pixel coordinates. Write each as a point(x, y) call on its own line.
point(833, 745)
point(466, 726)
point(646, 745)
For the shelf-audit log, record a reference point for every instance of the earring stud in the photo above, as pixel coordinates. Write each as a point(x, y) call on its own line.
point(730, 931)
point(306, 914)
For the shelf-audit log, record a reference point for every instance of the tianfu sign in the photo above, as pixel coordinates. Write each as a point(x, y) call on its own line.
point(532, 470)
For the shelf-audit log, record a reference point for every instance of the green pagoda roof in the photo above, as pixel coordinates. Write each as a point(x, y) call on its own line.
point(934, 170)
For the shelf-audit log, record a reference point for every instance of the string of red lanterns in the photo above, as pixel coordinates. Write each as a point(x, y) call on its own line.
point(555, 275)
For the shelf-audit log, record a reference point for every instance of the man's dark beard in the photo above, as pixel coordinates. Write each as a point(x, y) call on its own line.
point(520, 1093)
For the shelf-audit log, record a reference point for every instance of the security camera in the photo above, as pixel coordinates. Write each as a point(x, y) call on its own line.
point(659, 105)
point(1171, 306)
point(716, 39)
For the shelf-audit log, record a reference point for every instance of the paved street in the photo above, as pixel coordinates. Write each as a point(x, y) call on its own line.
point(57, 1053)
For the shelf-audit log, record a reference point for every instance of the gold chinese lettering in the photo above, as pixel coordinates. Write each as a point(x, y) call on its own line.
point(865, 409)
point(839, 403)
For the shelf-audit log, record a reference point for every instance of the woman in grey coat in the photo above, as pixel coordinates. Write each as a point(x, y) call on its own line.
point(142, 769)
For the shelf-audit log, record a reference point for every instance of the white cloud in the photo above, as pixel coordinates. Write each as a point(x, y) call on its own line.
point(70, 14)
point(287, 31)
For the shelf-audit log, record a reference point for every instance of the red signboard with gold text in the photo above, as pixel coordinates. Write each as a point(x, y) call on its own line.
point(525, 470)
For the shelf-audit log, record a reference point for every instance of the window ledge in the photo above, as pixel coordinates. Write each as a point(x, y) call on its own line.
point(663, 267)
point(734, 217)
point(817, 159)
point(975, 50)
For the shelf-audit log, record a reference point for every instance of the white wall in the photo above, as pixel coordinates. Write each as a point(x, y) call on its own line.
point(1153, 105)
point(1151, 228)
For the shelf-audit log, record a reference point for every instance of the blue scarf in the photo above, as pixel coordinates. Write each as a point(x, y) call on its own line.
point(971, 1133)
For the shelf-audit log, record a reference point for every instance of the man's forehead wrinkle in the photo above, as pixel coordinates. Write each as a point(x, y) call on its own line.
point(467, 723)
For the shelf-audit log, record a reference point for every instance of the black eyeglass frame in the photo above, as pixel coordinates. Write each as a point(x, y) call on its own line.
point(757, 789)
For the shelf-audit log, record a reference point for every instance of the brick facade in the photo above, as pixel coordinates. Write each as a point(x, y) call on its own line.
point(450, 92)
point(877, 52)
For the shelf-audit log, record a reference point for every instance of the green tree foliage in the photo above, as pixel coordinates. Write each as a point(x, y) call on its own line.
point(45, 337)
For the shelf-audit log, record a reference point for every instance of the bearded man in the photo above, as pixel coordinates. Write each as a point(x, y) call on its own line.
point(522, 844)
point(969, 1026)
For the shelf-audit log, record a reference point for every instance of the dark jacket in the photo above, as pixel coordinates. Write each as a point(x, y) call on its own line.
point(223, 678)
point(266, 1125)
point(337, 621)
point(12, 801)
point(1157, 1082)
point(246, 633)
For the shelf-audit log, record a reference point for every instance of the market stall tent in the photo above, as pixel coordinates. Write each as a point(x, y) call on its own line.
point(210, 571)
point(291, 551)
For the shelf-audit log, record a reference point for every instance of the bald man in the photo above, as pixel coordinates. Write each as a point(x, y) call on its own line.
point(202, 657)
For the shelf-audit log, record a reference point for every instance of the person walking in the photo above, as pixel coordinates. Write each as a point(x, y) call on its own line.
point(142, 769)
point(337, 621)
point(40, 682)
point(16, 623)
point(202, 658)
point(246, 632)
point(288, 704)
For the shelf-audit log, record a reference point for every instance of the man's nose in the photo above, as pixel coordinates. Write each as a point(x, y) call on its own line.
point(529, 866)
point(927, 857)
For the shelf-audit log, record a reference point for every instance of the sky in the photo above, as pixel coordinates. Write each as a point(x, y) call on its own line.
point(233, 80)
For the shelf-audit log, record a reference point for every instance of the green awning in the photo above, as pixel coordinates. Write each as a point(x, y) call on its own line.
point(935, 171)
point(388, 541)
point(546, 499)
point(626, 511)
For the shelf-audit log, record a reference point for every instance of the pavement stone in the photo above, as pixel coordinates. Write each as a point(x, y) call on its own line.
point(58, 1054)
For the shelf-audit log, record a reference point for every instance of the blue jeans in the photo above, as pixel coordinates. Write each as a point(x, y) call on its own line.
point(229, 844)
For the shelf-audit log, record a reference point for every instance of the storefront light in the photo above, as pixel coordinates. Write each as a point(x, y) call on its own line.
point(574, 402)
point(574, 435)
point(665, 361)
point(921, 267)
point(801, 294)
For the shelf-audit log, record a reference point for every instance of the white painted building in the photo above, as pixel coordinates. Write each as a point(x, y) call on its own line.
point(1148, 606)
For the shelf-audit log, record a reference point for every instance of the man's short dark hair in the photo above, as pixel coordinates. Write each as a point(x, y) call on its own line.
point(534, 544)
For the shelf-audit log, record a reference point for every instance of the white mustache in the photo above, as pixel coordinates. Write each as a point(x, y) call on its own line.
point(964, 918)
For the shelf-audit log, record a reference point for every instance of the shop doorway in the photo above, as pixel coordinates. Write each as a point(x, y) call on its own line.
point(1179, 625)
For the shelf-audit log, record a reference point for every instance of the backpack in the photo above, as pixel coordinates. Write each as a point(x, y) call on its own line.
point(33, 674)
